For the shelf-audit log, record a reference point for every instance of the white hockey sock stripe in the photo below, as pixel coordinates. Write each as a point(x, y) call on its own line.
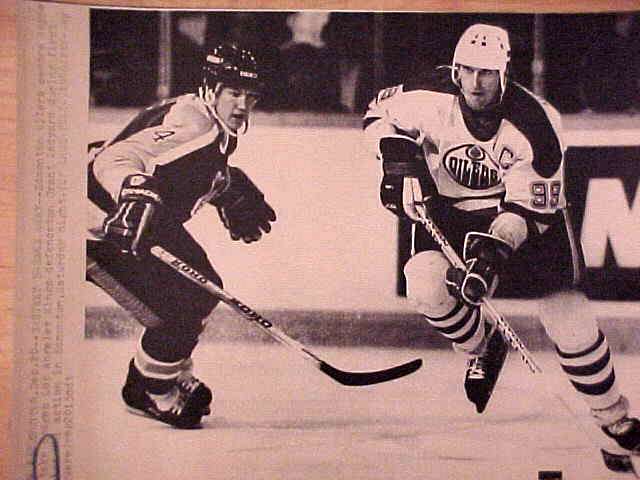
point(152, 368)
point(600, 374)
point(591, 372)
point(187, 366)
point(587, 356)
point(459, 325)
point(469, 338)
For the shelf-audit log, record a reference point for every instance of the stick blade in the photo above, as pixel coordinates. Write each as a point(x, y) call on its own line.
point(358, 379)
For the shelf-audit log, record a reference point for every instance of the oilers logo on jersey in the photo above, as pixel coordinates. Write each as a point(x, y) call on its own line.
point(471, 166)
point(496, 157)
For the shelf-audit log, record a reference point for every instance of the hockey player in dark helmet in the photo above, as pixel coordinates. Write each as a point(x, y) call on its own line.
point(148, 181)
point(231, 85)
point(485, 157)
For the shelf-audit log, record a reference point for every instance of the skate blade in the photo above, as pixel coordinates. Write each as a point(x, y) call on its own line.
point(150, 416)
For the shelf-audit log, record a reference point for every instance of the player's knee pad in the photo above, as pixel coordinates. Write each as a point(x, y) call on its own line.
point(568, 320)
point(426, 289)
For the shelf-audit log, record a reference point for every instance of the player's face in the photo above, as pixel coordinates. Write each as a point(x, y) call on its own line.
point(480, 87)
point(234, 104)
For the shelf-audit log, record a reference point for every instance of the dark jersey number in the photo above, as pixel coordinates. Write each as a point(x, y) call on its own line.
point(160, 135)
point(546, 194)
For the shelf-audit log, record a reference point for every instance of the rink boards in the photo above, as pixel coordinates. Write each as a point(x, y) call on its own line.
point(335, 249)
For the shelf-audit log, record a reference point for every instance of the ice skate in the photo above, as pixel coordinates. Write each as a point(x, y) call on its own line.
point(626, 433)
point(483, 370)
point(183, 405)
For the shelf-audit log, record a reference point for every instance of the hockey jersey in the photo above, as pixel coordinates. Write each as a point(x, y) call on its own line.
point(510, 157)
point(180, 142)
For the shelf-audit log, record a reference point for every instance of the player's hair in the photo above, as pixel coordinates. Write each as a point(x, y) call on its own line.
point(483, 46)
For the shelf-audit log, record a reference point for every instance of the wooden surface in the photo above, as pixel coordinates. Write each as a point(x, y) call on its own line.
point(398, 5)
point(7, 214)
point(8, 124)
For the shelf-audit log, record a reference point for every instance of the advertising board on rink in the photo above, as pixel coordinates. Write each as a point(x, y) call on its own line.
point(604, 190)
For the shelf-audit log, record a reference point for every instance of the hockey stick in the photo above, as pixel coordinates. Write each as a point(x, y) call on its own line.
point(340, 376)
point(507, 332)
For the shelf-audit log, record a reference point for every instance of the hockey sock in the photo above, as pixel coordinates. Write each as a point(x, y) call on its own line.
point(159, 376)
point(426, 289)
point(461, 325)
point(591, 373)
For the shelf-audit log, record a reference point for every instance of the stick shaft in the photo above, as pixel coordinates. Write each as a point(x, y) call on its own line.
point(192, 274)
point(341, 376)
point(510, 335)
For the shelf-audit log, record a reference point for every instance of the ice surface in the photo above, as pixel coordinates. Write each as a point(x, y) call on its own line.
point(275, 417)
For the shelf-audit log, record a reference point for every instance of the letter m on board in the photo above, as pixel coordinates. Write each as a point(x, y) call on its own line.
point(610, 218)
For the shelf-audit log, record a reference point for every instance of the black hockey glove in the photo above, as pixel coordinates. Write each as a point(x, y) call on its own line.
point(402, 168)
point(128, 227)
point(484, 256)
point(243, 209)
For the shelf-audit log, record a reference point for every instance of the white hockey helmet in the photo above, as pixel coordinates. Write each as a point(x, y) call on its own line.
point(483, 46)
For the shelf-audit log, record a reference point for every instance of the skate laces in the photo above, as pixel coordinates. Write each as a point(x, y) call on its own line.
point(476, 368)
point(174, 400)
point(188, 382)
point(178, 406)
point(622, 426)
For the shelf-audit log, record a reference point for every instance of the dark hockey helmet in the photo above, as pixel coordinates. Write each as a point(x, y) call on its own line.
point(231, 65)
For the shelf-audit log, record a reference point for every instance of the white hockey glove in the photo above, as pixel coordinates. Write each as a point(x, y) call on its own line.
point(484, 257)
point(400, 188)
point(243, 209)
point(128, 227)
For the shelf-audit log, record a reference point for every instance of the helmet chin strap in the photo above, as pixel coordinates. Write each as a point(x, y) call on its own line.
point(210, 97)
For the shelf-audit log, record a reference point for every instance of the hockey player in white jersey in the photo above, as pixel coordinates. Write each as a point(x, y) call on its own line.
point(150, 179)
point(486, 158)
